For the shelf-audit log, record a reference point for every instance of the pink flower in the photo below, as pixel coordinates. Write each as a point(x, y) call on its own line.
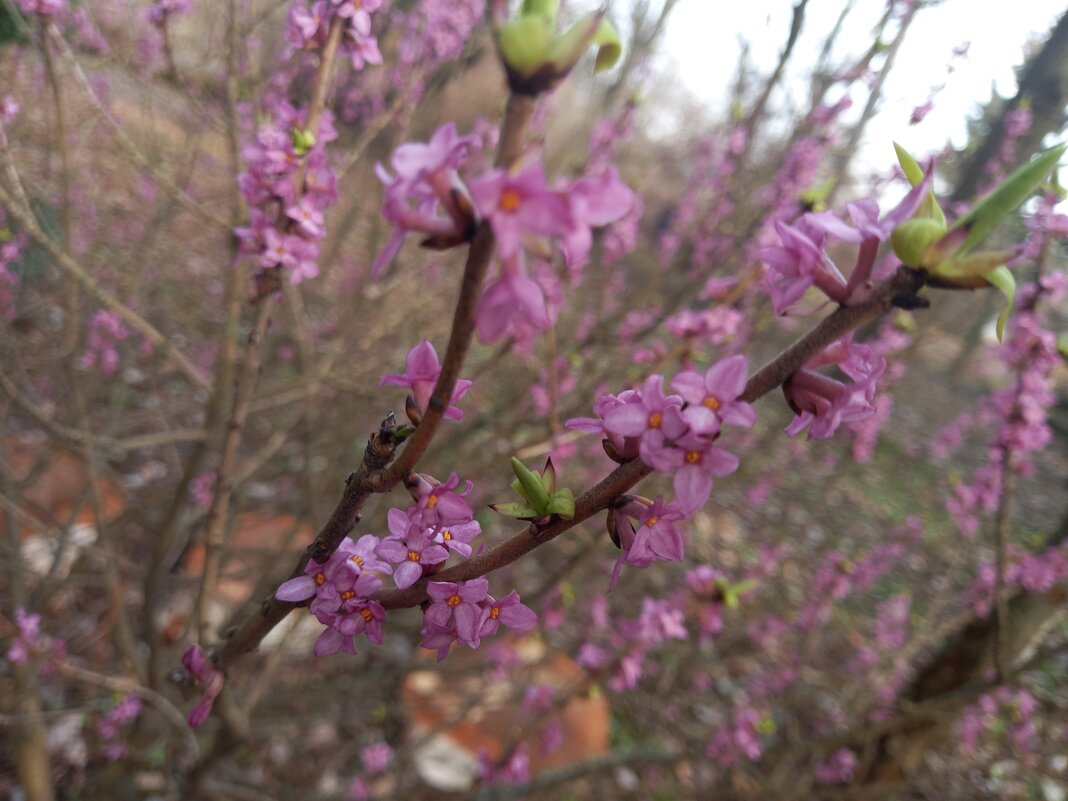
point(799, 263)
point(713, 399)
point(457, 605)
point(508, 611)
point(517, 205)
point(510, 303)
point(421, 371)
point(426, 181)
point(593, 202)
point(410, 555)
point(634, 419)
point(206, 676)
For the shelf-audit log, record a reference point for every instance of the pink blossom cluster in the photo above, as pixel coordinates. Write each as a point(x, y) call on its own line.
point(737, 739)
point(159, 11)
point(106, 332)
point(705, 201)
point(112, 727)
point(838, 768)
point(422, 536)
point(44, 8)
point(340, 593)
point(1018, 412)
point(1007, 711)
point(30, 641)
point(427, 196)
point(286, 219)
point(308, 28)
point(464, 612)
point(884, 345)
point(11, 248)
point(1033, 572)
point(822, 403)
point(841, 575)
point(427, 36)
point(676, 434)
point(801, 262)
point(421, 539)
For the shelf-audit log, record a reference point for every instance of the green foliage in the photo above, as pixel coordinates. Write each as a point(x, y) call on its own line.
point(10, 32)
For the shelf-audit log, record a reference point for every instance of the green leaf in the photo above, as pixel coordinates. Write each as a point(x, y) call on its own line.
point(1007, 197)
point(909, 165)
point(543, 8)
point(609, 47)
point(514, 510)
point(914, 172)
point(1004, 280)
point(524, 43)
point(911, 239)
point(562, 503)
point(530, 486)
point(567, 49)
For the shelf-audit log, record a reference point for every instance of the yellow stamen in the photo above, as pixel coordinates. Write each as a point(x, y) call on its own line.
point(712, 402)
point(432, 501)
point(367, 614)
point(455, 600)
point(446, 535)
point(413, 556)
point(347, 594)
point(655, 419)
point(320, 579)
point(510, 200)
point(651, 522)
point(495, 613)
point(357, 559)
point(693, 457)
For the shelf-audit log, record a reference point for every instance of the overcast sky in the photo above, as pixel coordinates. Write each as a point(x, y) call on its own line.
point(702, 45)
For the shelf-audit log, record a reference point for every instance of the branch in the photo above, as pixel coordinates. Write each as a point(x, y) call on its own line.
point(106, 299)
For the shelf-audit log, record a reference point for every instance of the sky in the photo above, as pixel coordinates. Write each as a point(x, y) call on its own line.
point(701, 46)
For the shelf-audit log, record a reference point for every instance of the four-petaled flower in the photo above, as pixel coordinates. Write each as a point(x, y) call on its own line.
point(421, 371)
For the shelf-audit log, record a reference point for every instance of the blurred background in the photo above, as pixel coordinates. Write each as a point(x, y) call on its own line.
point(829, 634)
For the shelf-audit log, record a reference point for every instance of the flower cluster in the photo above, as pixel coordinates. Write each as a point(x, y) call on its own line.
point(822, 403)
point(161, 10)
point(11, 247)
point(676, 434)
point(45, 8)
point(646, 532)
point(422, 536)
point(286, 219)
point(106, 332)
point(29, 639)
point(1005, 712)
point(110, 726)
point(421, 539)
point(340, 591)
point(464, 612)
point(800, 261)
point(427, 196)
point(308, 28)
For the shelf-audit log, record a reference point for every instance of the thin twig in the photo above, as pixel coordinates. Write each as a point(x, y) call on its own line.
point(62, 258)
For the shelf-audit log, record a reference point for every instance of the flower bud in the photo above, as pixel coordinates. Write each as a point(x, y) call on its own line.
point(912, 239)
point(302, 140)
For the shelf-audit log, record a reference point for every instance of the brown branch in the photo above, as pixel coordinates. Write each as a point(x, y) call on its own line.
point(215, 538)
point(517, 117)
point(901, 288)
point(898, 289)
point(381, 448)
